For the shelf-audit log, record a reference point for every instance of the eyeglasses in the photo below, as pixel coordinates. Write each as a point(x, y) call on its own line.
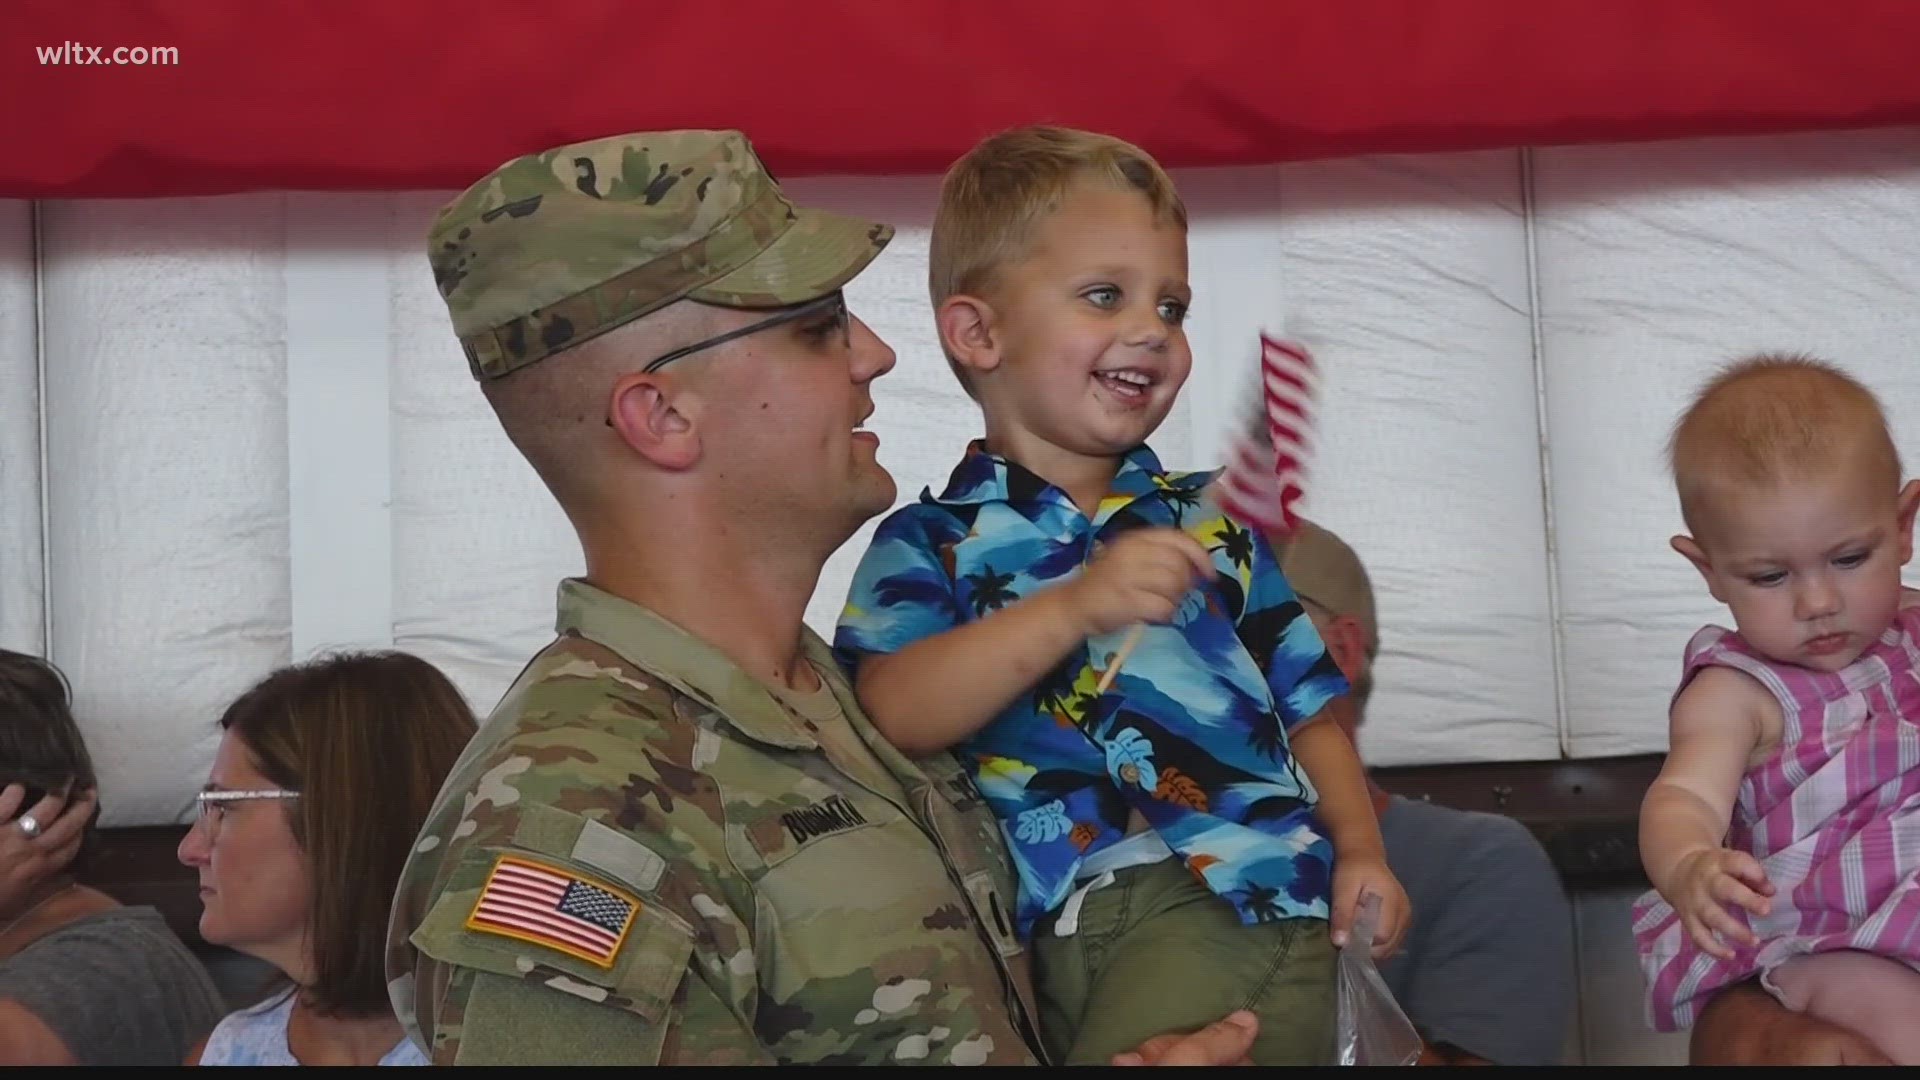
point(213, 804)
point(834, 302)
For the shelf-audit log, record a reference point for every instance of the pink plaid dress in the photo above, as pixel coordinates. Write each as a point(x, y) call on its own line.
point(1834, 817)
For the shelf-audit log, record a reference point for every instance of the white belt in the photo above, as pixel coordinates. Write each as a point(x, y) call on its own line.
point(1140, 849)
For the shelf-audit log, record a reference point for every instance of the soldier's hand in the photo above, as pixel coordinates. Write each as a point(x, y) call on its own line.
point(1745, 1025)
point(1223, 1042)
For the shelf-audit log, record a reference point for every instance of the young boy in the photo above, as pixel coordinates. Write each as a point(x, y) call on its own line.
point(1183, 837)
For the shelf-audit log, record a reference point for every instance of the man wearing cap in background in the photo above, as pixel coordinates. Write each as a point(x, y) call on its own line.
point(1487, 973)
point(677, 840)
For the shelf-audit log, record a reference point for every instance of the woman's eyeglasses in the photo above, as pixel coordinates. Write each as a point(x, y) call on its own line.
point(213, 804)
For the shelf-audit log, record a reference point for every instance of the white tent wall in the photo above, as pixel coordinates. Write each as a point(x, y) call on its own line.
point(22, 617)
point(1408, 276)
point(262, 440)
point(164, 334)
point(478, 544)
point(1655, 263)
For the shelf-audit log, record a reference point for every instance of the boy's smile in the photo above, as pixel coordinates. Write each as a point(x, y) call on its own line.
point(1087, 328)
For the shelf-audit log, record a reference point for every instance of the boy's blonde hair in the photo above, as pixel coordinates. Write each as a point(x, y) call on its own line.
point(993, 198)
point(1777, 417)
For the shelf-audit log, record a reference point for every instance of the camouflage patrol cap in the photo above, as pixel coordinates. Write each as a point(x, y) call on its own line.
point(553, 248)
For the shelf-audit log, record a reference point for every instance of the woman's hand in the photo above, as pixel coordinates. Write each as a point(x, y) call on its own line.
point(27, 861)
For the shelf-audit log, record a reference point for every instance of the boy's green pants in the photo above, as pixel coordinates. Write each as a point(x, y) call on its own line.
point(1156, 951)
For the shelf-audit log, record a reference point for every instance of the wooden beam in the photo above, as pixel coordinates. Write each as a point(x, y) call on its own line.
point(1585, 813)
point(141, 865)
point(1593, 789)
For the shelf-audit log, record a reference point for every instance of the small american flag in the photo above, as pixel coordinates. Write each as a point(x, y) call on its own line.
point(557, 908)
point(1265, 473)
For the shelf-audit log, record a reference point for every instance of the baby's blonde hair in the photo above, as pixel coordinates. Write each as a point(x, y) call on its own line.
point(1775, 417)
point(993, 198)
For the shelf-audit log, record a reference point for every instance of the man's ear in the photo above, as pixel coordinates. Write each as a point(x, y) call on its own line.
point(1686, 545)
point(966, 326)
point(1346, 642)
point(652, 415)
point(1909, 502)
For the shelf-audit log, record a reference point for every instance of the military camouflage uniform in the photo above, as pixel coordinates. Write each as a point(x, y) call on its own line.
point(733, 881)
point(798, 903)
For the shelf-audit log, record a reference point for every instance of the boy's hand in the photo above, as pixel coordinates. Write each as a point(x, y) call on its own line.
point(1140, 577)
point(1710, 878)
point(1354, 878)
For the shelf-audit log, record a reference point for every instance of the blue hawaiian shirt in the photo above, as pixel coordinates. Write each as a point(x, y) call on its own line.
point(1193, 731)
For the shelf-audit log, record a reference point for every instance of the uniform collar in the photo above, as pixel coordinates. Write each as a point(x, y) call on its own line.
point(694, 667)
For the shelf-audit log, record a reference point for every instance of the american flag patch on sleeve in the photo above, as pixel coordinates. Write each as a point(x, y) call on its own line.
point(557, 908)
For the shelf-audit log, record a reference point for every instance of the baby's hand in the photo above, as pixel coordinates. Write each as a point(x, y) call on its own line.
point(1354, 878)
point(1707, 880)
point(1140, 577)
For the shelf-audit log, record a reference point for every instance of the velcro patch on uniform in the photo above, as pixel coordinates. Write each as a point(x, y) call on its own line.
point(558, 908)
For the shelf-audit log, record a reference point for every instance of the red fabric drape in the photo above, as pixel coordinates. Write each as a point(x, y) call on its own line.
point(398, 94)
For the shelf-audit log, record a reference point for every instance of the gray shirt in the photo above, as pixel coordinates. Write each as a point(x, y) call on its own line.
point(1488, 964)
point(118, 987)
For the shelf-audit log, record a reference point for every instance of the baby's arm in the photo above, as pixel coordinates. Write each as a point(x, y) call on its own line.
point(940, 689)
point(1718, 723)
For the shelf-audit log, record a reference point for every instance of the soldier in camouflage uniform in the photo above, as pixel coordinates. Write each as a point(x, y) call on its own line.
point(648, 854)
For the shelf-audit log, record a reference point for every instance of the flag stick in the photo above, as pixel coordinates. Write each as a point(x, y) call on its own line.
point(1113, 666)
point(1266, 474)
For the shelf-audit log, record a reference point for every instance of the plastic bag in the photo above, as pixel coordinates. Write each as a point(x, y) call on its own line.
point(1369, 1025)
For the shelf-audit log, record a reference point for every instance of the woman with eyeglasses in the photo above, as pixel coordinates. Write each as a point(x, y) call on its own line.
point(84, 979)
point(324, 774)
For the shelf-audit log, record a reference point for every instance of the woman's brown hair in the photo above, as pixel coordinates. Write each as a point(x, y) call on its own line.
point(367, 738)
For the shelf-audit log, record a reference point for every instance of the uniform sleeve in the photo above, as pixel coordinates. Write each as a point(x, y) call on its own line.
point(571, 901)
point(491, 1019)
point(1280, 635)
point(902, 590)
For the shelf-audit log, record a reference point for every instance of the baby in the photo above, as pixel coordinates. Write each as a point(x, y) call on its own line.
point(1782, 836)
